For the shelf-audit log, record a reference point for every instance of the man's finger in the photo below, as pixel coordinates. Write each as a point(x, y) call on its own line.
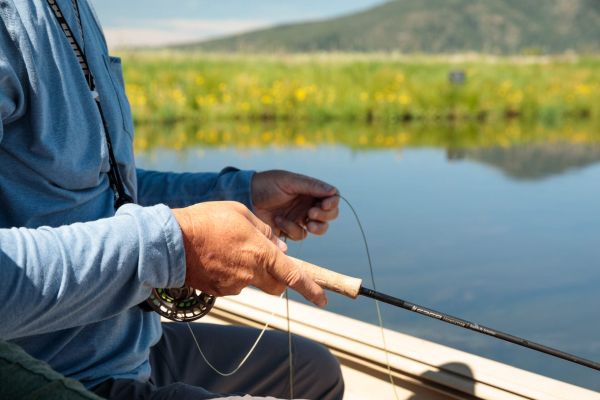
point(301, 184)
point(268, 284)
point(317, 228)
point(286, 271)
point(291, 229)
point(321, 215)
point(331, 202)
point(266, 230)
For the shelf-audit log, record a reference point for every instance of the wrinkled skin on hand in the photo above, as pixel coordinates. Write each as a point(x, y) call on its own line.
point(228, 248)
point(294, 205)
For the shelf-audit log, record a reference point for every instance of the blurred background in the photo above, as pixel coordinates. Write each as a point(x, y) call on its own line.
point(466, 133)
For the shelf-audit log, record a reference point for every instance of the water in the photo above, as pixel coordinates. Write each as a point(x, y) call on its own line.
point(503, 235)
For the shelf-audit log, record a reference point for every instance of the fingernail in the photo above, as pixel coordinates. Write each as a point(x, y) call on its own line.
point(282, 245)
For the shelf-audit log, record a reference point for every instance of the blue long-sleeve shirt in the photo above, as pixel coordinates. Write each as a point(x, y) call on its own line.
point(71, 271)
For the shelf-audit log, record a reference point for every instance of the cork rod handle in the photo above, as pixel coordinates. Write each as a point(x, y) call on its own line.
point(330, 280)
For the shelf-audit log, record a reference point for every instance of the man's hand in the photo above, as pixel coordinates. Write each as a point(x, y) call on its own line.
point(294, 204)
point(228, 248)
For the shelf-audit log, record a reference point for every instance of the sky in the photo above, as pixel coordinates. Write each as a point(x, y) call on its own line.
point(155, 22)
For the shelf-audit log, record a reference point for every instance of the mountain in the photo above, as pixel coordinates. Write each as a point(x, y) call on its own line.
point(534, 161)
point(436, 26)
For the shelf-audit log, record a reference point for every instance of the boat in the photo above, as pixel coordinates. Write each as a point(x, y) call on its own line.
point(420, 369)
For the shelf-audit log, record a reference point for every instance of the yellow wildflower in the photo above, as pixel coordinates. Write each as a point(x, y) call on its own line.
point(583, 89)
point(300, 94)
point(404, 99)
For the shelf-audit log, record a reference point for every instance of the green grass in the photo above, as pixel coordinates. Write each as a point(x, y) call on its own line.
point(168, 87)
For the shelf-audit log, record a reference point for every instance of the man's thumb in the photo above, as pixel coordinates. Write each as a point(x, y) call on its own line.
point(313, 187)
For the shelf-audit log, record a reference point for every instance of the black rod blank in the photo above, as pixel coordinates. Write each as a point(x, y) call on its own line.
point(476, 327)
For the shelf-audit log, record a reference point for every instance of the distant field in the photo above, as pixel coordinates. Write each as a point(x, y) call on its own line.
point(168, 87)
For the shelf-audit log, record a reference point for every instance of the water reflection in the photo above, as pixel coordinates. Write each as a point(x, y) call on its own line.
point(514, 247)
point(532, 161)
point(521, 151)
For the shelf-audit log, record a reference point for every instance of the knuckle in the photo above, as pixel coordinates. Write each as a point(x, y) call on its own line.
point(237, 206)
point(236, 290)
point(294, 277)
point(264, 259)
point(245, 279)
point(268, 231)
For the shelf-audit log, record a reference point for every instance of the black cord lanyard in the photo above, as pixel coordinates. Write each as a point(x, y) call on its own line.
point(114, 176)
point(198, 303)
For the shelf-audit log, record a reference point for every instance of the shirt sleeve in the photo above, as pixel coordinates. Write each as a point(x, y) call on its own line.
point(11, 91)
point(184, 189)
point(57, 278)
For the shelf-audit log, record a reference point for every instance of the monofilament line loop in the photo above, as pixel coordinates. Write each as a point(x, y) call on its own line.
point(379, 315)
point(236, 369)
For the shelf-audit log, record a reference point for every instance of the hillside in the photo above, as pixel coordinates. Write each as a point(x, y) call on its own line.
point(535, 161)
point(437, 26)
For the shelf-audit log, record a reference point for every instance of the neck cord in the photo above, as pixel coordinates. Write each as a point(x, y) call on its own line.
point(114, 176)
point(121, 197)
point(78, 16)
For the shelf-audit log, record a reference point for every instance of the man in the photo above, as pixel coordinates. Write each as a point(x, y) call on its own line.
point(74, 271)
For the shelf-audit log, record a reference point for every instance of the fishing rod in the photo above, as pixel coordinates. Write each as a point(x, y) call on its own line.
point(352, 287)
point(188, 304)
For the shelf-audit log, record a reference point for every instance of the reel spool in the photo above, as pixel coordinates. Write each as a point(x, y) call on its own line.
point(183, 304)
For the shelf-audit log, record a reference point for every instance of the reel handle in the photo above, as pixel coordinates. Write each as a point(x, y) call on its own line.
point(330, 280)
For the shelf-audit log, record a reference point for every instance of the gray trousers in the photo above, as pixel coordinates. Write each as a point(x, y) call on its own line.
point(179, 372)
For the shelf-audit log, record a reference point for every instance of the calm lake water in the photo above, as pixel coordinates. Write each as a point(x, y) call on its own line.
point(502, 233)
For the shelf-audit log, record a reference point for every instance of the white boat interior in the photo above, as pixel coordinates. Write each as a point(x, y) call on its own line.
point(421, 369)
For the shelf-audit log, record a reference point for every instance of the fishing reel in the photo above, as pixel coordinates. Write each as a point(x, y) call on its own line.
point(183, 304)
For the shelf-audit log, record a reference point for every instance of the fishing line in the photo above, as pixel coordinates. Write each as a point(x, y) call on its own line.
point(290, 347)
point(264, 329)
point(290, 354)
point(289, 329)
point(233, 371)
point(353, 288)
point(379, 315)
